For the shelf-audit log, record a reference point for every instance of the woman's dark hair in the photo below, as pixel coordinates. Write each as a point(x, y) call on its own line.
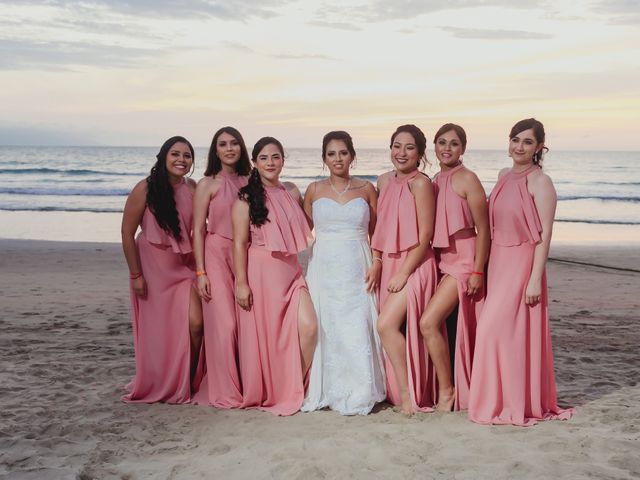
point(214, 165)
point(160, 199)
point(342, 136)
point(447, 127)
point(538, 133)
point(254, 193)
point(418, 138)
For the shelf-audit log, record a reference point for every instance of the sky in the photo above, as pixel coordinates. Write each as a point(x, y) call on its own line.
point(126, 72)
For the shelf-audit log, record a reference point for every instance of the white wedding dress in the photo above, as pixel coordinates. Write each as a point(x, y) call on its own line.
point(347, 374)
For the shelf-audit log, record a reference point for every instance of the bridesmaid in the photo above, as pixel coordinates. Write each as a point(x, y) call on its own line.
point(461, 210)
point(227, 171)
point(277, 323)
point(513, 379)
point(166, 311)
point(401, 243)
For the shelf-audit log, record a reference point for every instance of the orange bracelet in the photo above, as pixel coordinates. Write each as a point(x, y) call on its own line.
point(478, 273)
point(200, 273)
point(133, 276)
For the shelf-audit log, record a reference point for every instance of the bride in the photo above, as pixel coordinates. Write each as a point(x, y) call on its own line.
point(347, 373)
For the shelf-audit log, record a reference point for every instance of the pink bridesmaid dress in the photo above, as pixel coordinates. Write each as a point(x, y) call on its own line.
point(269, 348)
point(513, 380)
point(222, 380)
point(454, 239)
point(395, 234)
point(161, 318)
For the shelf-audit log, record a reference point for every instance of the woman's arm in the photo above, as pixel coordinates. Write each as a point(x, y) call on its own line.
point(422, 191)
point(240, 221)
point(131, 219)
point(307, 203)
point(545, 198)
point(477, 200)
point(372, 277)
point(206, 189)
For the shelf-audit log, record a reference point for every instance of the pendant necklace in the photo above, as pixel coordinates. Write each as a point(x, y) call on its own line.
point(339, 194)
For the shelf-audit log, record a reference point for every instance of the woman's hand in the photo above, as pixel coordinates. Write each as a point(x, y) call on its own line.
point(474, 284)
point(397, 282)
point(533, 292)
point(139, 286)
point(204, 287)
point(244, 297)
point(372, 277)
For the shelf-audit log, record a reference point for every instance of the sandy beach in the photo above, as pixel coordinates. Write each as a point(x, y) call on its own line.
point(67, 351)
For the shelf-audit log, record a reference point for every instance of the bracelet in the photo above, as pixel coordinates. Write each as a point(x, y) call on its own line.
point(134, 276)
point(200, 273)
point(378, 259)
point(478, 273)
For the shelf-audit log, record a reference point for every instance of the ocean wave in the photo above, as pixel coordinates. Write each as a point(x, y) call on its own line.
point(86, 192)
point(606, 198)
point(68, 171)
point(60, 209)
point(597, 221)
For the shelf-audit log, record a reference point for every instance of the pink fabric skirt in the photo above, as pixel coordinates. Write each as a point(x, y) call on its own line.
point(221, 385)
point(513, 380)
point(420, 288)
point(457, 261)
point(269, 348)
point(161, 327)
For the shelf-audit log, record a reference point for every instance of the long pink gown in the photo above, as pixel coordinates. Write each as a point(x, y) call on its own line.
point(221, 386)
point(269, 348)
point(161, 318)
point(454, 239)
point(395, 234)
point(513, 380)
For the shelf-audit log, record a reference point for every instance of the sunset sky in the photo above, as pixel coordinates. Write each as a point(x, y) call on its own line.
point(136, 72)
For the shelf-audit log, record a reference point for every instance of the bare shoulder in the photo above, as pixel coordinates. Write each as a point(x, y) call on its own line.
point(240, 206)
point(384, 179)
point(469, 177)
point(420, 181)
point(503, 172)
point(292, 188)
point(140, 188)
point(540, 181)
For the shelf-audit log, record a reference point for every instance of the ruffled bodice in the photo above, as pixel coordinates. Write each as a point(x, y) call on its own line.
point(219, 218)
point(513, 217)
point(286, 230)
point(452, 211)
point(155, 235)
point(397, 225)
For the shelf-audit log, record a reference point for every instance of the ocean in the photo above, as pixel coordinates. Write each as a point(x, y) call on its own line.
point(601, 189)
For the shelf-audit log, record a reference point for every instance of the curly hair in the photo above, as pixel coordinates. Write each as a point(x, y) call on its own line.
point(254, 192)
point(160, 199)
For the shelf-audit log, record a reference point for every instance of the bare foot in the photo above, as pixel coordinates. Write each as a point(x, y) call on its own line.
point(446, 400)
point(406, 408)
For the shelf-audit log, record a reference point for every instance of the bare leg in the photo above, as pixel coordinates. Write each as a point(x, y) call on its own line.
point(438, 309)
point(307, 330)
point(395, 345)
point(195, 328)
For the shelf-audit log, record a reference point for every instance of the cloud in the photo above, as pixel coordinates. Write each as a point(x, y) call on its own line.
point(336, 25)
point(381, 10)
point(239, 47)
point(29, 55)
point(224, 10)
point(621, 12)
point(490, 34)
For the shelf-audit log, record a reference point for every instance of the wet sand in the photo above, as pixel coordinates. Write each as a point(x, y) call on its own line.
point(67, 351)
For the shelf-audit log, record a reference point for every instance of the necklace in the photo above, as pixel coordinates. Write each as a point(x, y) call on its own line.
point(339, 194)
